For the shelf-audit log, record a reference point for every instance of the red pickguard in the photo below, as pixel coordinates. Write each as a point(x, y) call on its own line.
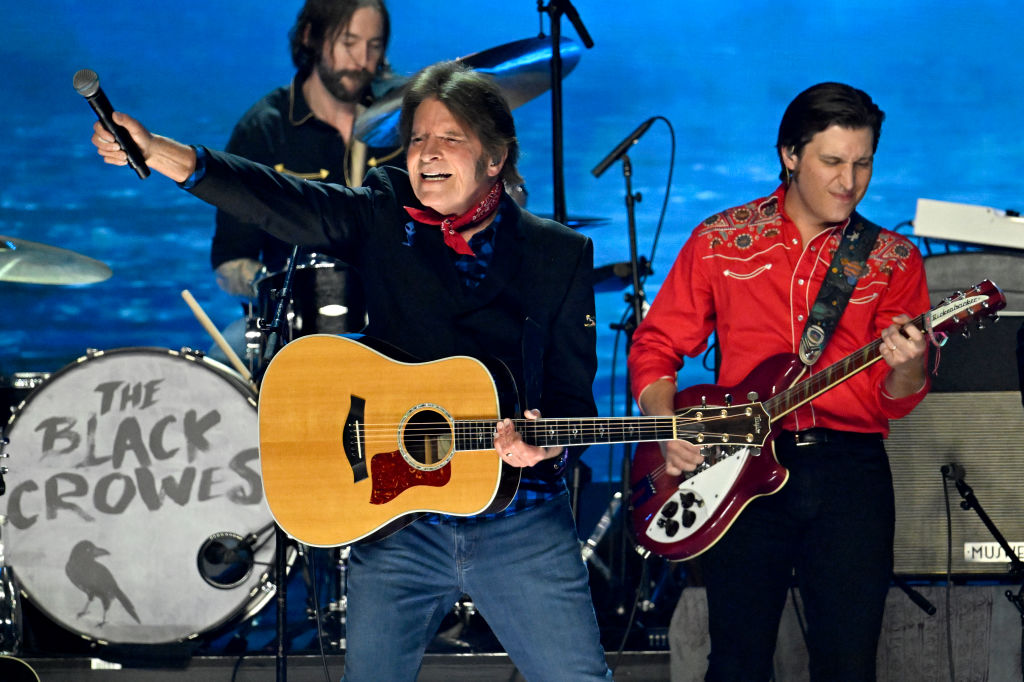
point(392, 475)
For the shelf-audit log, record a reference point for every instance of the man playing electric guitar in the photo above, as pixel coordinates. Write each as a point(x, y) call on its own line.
point(752, 275)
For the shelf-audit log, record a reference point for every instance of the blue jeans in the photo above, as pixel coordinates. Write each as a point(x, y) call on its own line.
point(832, 524)
point(524, 574)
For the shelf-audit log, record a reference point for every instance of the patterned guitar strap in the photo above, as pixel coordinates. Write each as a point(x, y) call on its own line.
point(848, 265)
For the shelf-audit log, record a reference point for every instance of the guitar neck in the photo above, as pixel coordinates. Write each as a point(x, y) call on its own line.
point(810, 388)
point(477, 434)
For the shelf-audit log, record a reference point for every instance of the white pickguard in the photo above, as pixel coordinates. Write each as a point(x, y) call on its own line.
point(709, 487)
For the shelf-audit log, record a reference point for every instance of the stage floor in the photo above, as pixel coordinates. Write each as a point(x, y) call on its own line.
point(652, 666)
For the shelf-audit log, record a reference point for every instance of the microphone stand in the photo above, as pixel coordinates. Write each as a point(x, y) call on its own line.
point(636, 300)
point(638, 297)
point(555, 10)
point(1016, 570)
point(276, 329)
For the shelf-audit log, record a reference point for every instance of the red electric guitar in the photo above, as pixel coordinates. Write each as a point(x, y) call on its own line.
point(679, 517)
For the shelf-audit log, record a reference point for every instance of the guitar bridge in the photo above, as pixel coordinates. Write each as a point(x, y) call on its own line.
point(352, 438)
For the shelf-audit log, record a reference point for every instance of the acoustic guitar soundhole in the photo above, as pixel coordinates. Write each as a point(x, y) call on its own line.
point(427, 438)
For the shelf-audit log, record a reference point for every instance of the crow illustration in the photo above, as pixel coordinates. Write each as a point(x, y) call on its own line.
point(95, 579)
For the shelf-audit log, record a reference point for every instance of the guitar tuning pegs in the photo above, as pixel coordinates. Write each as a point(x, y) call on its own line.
point(728, 399)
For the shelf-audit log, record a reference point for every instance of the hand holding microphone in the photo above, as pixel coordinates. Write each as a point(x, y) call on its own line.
point(87, 84)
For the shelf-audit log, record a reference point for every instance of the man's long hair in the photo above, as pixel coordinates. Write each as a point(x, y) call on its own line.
point(324, 19)
point(475, 101)
point(821, 106)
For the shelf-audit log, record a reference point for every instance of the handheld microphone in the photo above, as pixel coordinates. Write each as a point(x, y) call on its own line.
point(621, 148)
point(87, 84)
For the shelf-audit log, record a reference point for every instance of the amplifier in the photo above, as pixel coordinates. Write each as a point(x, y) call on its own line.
point(980, 431)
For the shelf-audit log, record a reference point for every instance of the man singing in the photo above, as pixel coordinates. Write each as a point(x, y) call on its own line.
point(452, 266)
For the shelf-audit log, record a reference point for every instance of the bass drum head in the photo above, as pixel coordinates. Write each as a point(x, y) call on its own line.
point(122, 465)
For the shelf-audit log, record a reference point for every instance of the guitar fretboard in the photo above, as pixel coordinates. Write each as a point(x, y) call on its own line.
point(816, 384)
point(479, 434)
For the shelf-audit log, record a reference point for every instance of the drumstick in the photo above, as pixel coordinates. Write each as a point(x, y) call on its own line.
point(218, 338)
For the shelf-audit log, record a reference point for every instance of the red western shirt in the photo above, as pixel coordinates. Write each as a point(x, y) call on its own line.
point(744, 274)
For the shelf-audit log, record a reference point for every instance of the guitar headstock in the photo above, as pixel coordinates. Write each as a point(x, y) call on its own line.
point(746, 424)
point(978, 303)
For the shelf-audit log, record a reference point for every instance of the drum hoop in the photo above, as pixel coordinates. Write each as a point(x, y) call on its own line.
point(14, 664)
point(315, 262)
point(23, 379)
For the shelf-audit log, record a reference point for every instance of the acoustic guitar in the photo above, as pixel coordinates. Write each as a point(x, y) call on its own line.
point(355, 444)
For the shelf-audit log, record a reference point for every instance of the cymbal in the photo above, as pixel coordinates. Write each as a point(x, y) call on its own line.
point(35, 263)
point(521, 68)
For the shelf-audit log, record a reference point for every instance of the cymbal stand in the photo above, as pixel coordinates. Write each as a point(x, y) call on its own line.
point(276, 333)
point(1016, 570)
point(555, 9)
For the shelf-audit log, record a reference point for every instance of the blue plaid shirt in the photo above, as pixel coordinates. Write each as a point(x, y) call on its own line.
point(531, 491)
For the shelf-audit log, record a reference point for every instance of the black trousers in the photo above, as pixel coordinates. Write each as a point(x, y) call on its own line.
point(832, 526)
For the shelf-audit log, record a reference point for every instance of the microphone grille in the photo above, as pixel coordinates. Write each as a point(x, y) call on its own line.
point(86, 82)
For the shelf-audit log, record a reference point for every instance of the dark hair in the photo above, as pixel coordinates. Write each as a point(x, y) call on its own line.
point(821, 106)
point(323, 19)
point(475, 101)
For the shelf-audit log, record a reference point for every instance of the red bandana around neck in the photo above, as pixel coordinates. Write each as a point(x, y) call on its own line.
point(451, 225)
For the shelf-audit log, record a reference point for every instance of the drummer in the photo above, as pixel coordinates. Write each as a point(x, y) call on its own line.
point(305, 128)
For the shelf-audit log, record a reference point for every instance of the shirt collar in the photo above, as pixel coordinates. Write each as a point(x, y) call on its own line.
point(298, 108)
point(780, 196)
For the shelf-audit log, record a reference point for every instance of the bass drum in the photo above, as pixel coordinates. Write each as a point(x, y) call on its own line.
point(122, 465)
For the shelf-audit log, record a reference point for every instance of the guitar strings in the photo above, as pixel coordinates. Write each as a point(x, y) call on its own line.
point(642, 429)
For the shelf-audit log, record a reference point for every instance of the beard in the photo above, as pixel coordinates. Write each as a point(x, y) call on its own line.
point(332, 81)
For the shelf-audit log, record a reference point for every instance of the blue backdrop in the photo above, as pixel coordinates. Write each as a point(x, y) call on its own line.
point(947, 75)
